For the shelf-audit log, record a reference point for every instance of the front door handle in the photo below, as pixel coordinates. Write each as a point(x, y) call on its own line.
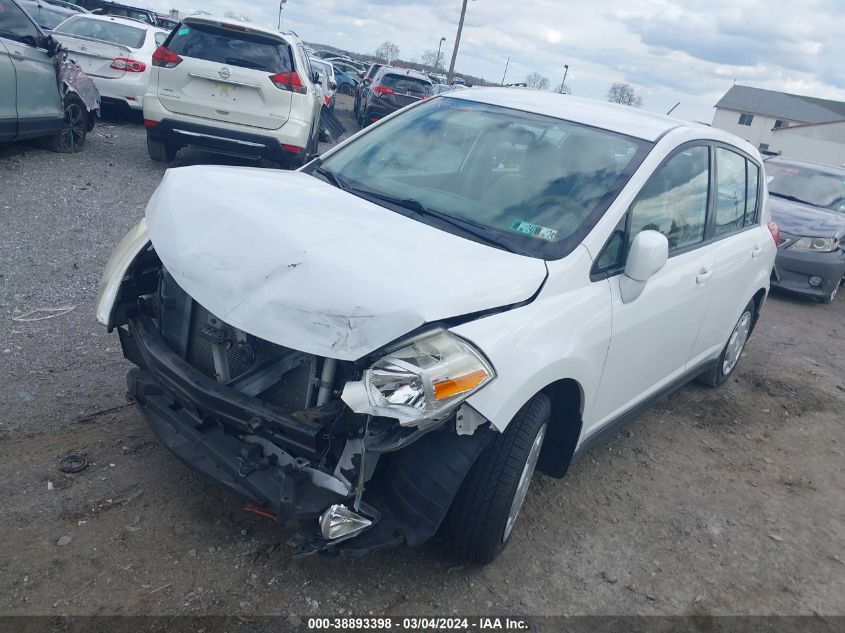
point(703, 275)
point(756, 251)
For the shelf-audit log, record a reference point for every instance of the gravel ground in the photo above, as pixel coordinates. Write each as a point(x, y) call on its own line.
point(715, 501)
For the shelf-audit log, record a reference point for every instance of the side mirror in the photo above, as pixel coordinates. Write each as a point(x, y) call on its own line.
point(333, 85)
point(648, 255)
point(315, 77)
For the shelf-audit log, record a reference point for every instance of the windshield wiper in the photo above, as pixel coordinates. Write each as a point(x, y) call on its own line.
point(331, 177)
point(237, 61)
point(792, 198)
point(479, 231)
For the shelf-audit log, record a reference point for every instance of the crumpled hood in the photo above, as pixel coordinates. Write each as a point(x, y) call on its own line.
point(806, 220)
point(293, 260)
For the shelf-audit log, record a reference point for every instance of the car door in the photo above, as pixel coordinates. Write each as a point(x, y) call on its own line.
point(739, 241)
point(37, 100)
point(8, 110)
point(653, 335)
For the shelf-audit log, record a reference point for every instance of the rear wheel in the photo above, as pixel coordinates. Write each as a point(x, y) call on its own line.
point(71, 138)
point(161, 151)
point(482, 516)
point(729, 359)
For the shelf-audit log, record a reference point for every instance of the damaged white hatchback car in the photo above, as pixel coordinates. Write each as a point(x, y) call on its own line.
point(387, 342)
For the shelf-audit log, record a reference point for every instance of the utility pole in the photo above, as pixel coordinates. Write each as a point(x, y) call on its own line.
point(281, 4)
point(457, 43)
point(563, 83)
point(437, 64)
point(504, 74)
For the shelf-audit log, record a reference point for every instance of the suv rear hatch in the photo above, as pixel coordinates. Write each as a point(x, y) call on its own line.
point(228, 72)
point(95, 43)
point(403, 90)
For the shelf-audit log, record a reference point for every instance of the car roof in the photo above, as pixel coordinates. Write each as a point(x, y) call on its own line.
point(118, 19)
point(249, 27)
point(831, 170)
point(602, 114)
point(410, 72)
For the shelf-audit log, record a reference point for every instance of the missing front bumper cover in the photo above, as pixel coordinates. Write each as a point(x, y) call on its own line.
point(215, 429)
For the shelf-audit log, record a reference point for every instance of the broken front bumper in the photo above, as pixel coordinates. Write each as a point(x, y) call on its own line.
point(266, 454)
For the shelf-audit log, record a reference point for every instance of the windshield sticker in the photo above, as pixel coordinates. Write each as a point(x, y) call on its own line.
point(533, 230)
point(183, 31)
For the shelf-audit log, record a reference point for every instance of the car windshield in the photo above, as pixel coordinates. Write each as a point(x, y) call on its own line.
point(230, 46)
point(804, 184)
point(524, 182)
point(103, 30)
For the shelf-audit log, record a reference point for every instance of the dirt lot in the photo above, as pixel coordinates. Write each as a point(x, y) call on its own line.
point(716, 501)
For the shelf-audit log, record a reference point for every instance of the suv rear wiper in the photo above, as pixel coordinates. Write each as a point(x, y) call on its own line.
point(791, 198)
point(237, 61)
point(469, 227)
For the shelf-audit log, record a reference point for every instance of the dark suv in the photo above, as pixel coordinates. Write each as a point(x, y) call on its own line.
point(391, 89)
point(361, 88)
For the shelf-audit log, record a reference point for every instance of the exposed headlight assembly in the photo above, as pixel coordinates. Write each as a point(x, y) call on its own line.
point(816, 244)
point(422, 380)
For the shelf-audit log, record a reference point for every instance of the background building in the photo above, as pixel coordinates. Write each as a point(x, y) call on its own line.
point(785, 124)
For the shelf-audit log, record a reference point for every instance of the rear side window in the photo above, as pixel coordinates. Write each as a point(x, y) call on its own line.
point(405, 84)
point(751, 198)
point(105, 31)
point(232, 47)
point(674, 200)
point(731, 192)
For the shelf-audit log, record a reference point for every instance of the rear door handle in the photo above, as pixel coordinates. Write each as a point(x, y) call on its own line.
point(703, 275)
point(756, 251)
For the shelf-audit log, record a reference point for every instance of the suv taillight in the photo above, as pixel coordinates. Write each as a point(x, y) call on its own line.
point(165, 58)
point(383, 90)
point(775, 231)
point(289, 81)
point(128, 65)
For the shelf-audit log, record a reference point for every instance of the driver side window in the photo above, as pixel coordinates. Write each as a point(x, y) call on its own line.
point(15, 25)
point(674, 200)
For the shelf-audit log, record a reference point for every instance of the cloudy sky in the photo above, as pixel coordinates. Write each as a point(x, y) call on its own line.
point(690, 51)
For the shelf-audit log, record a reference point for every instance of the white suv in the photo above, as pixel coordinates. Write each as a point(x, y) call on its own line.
point(388, 341)
point(234, 88)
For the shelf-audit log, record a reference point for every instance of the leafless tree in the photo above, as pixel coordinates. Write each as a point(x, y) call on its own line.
point(388, 51)
point(537, 81)
point(623, 93)
point(431, 58)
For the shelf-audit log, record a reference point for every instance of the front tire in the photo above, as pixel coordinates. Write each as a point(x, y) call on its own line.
point(160, 151)
point(482, 516)
point(71, 138)
point(729, 358)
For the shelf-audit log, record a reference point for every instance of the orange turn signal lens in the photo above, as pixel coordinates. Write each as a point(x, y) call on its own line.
point(459, 384)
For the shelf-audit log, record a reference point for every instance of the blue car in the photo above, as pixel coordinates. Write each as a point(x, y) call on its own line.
point(346, 84)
